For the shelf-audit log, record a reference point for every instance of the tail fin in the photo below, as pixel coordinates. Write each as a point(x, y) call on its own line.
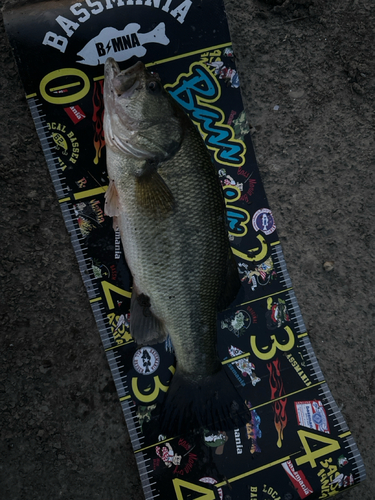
point(212, 403)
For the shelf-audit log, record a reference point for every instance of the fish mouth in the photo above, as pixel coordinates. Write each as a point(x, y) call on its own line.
point(119, 122)
point(123, 83)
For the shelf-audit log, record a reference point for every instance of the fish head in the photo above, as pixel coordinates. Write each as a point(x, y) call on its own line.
point(140, 118)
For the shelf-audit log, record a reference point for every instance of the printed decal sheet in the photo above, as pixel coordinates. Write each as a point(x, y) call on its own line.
point(297, 443)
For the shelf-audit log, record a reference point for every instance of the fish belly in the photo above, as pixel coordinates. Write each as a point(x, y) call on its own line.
point(179, 261)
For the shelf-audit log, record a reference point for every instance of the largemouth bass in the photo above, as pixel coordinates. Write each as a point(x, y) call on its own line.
point(167, 201)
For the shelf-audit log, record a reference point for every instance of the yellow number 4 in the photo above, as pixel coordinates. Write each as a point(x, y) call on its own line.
point(331, 445)
point(206, 493)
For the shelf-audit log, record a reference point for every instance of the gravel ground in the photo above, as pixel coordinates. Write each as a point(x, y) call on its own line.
point(307, 73)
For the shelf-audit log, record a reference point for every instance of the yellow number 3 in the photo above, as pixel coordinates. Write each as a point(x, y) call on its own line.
point(269, 351)
point(151, 396)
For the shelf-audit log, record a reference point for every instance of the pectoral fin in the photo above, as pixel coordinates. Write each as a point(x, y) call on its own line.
point(112, 201)
point(231, 285)
point(153, 194)
point(145, 327)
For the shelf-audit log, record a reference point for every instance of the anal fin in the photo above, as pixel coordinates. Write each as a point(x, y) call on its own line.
point(145, 327)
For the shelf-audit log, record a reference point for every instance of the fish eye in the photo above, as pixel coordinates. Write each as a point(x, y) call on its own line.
point(154, 86)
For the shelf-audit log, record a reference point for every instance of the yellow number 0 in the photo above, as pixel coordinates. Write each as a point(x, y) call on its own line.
point(62, 99)
point(269, 352)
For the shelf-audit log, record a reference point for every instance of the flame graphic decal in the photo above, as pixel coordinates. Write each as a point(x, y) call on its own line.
point(277, 390)
point(97, 118)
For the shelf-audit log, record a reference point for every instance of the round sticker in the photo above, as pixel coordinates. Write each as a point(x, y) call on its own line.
point(317, 418)
point(211, 480)
point(146, 360)
point(263, 221)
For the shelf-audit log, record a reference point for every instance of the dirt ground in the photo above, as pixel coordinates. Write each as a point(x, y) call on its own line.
point(307, 72)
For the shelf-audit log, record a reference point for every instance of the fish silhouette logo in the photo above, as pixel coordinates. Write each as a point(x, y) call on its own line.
point(121, 45)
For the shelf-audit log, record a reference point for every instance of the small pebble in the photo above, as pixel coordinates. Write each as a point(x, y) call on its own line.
point(328, 265)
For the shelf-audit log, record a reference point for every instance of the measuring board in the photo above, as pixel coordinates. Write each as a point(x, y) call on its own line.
point(297, 443)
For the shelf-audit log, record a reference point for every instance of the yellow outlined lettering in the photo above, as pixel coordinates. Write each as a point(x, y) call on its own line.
point(237, 217)
point(196, 91)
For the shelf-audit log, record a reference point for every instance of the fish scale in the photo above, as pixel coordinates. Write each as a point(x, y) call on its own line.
point(170, 211)
point(192, 271)
point(249, 460)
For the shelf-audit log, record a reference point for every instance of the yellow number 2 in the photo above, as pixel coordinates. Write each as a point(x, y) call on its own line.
point(110, 287)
